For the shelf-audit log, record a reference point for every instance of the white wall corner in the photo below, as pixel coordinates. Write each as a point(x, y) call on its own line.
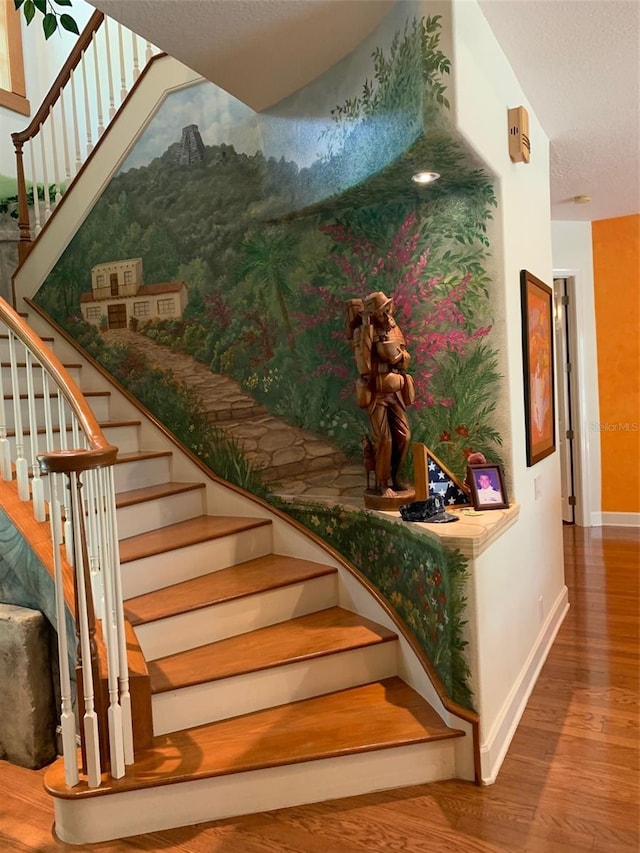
point(493, 750)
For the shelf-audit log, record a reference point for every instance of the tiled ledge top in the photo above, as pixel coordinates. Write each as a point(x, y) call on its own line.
point(474, 531)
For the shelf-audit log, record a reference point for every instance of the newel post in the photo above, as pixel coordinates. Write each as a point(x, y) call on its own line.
point(24, 246)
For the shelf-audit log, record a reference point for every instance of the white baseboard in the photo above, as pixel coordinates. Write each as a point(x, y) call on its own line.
point(494, 749)
point(621, 519)
point(596, 519)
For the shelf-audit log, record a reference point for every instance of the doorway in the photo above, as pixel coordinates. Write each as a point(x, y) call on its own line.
point(117, 316)
point(567, 414)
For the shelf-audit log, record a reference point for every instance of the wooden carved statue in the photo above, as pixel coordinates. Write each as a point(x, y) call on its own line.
point(385, 390)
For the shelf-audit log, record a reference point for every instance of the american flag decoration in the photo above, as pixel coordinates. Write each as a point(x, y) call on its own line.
point(442, 482)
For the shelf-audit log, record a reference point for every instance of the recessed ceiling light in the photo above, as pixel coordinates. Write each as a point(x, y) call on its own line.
point(425, 177)
point(581, 199)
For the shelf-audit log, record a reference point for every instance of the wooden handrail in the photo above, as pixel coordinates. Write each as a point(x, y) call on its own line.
point(83, 41)
point(101, 452)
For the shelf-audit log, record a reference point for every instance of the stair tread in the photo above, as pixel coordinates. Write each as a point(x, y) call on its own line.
point(303, 638)
point(190, 532)
point(148, 493)
point(253, 576)
point(380, 715)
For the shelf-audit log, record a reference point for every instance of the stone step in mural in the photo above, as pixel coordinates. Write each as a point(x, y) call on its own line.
point(302, 463)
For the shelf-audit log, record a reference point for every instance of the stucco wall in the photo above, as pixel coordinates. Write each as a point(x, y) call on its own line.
point(616, 268)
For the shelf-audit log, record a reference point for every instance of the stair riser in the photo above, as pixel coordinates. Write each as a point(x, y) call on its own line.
point(86, 821)
point(141, 473)
point(99, 406)
point(209, 624)
point(160, 570)
point(230, 697)
point(152, 515)
point(125, 438)
point(19, 349)
point(74, 372)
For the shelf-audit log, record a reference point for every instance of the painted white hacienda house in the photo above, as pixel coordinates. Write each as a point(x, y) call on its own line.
point(119, 296)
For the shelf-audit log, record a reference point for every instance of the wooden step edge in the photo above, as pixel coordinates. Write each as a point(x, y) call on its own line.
point(316, 635)
point(56, 428)
point(40, 396)
point(67, 366)
point(382, 715)
point(46, 339)
point(140, 456)
point(149, 493)
point(168, 538)
point(188, 596)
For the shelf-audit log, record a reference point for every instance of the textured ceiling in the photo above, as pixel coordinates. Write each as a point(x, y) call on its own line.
point(578, 61)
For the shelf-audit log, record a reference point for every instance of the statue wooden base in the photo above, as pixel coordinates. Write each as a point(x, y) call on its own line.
point(374, 500)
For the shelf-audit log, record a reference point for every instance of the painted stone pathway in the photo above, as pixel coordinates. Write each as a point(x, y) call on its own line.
point(302, 463)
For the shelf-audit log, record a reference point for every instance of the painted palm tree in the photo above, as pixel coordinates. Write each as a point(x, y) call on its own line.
point(266, 260)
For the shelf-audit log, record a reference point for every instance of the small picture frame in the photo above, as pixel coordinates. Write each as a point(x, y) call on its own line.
point(487, 486)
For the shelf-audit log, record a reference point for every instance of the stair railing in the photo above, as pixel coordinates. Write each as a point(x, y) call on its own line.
point(53, 447)
point(105, 62)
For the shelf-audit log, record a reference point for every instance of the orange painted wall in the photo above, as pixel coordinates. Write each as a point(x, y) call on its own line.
point(616, 272)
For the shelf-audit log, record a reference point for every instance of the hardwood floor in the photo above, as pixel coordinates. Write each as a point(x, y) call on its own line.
point(569, 784)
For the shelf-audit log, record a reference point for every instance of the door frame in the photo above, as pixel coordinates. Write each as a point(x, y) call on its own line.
point(564, 381)
point(582, 351)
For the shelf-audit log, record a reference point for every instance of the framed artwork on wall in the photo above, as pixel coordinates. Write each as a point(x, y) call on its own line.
point(537, 357)
point(487, 486)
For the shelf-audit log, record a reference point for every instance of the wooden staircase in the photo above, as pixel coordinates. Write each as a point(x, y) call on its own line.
point(276, 675)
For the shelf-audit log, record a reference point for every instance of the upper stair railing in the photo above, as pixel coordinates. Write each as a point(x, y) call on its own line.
point(54, 449)
point(96, 78)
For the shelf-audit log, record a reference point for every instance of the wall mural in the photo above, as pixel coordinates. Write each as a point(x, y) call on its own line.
point(228, 245)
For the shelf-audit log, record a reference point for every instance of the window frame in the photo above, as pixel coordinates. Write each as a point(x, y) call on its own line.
point(14, 99)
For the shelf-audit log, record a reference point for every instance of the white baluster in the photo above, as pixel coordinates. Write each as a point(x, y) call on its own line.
point(112, 104)
point(67, 532)
point(54, 154)
point(90, 719)
point(136, 64)
point(34, 185)
point(65, 142)
point(98, 90)
point(76, 125)
point(67, 717)
point(49, 441)
point(37, 488)
point(5, 447)
point(87, 113)
point(22, 468)
point(92, 504)
point(110, 632)
point(123, 79)
point(45, 177)
point(148, 52)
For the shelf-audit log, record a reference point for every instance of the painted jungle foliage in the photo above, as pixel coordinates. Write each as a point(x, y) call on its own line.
point(422, 580)
point(277, 222)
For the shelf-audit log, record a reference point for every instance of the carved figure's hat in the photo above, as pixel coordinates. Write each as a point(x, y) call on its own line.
point(376, 301)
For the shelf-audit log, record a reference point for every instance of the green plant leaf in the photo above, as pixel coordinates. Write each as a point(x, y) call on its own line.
point(18, 3)
point(62, 2)
point(41, 6)
point(69, 24)
point(29, 11)
point(49, 25)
